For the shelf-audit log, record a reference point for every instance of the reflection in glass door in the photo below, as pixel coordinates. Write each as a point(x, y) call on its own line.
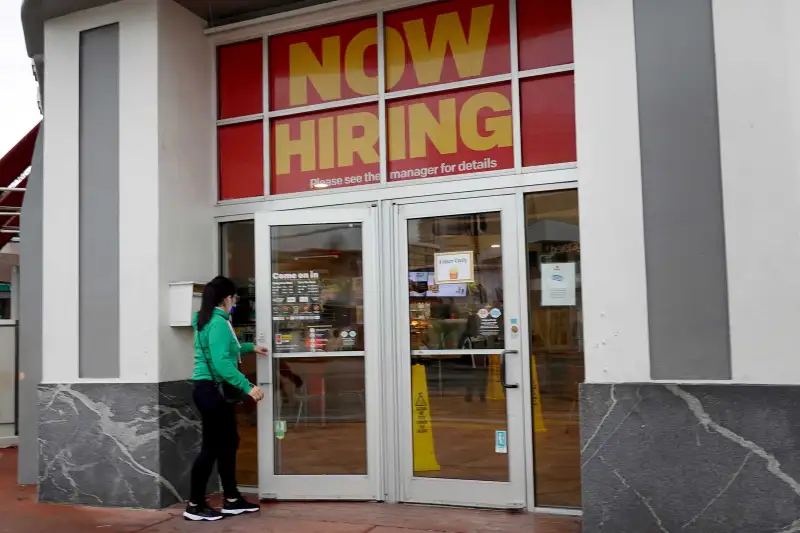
point(459, 303)
point(556, 341)
point(317, 435)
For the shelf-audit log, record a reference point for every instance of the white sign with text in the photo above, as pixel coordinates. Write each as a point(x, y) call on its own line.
point(558, 284)
point(454, 267)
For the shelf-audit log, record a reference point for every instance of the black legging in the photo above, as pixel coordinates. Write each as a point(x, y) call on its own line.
point(220, 442)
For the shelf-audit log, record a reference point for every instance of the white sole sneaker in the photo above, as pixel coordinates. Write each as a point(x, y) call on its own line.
point(234, 512)
point(198, 518)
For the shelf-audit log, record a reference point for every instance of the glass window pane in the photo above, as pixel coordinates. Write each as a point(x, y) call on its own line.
point(322, 403)
point(324, 64)
point(318, 307)
point(317, 288)
point(240, 79)
point(241, 160)
point(448, 314)
point(545, 33)
point(444, 42)
point(548, 119)
point(456, 307)
point(238, 263)
point(325, 150)
point(557, 365)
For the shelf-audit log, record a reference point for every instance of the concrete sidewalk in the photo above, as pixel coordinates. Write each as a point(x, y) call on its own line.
point(19, 513)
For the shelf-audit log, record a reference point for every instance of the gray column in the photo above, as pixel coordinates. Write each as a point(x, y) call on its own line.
point(99, 203)
point(682, 190)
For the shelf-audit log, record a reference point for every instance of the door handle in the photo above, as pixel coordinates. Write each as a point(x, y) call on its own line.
point(267, 358)
point(503, 370)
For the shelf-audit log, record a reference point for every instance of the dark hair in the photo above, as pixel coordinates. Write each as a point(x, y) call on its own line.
point(214, 292)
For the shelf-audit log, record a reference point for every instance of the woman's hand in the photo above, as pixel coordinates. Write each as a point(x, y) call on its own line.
point(261, 350)
point(256, 393)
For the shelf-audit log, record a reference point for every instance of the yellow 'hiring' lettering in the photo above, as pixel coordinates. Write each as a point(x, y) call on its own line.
point(357, 133)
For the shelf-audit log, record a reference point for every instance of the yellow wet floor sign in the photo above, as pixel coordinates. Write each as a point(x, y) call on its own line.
point(538, 419)
point(494, 389)
point(424, 453)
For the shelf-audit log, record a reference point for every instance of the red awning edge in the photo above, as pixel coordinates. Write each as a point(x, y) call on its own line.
point(12, 166)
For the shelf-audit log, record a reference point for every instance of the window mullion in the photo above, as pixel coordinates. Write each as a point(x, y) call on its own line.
point(382, 123)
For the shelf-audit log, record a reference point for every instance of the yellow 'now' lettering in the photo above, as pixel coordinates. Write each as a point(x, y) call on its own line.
point(354, 71)
point(395, 57)
point(468, 49)
point(468, 52)
point(305, 67)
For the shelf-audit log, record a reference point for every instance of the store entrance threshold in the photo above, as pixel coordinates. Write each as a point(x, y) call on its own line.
point(406, 518)
point(22, 513)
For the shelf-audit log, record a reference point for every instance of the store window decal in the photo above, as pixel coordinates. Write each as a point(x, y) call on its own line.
point(316, 289)
point(445, 134)
point(239, 79)
point(432, 130)
point(327, 64)
point(330, 149)
point(446, 42)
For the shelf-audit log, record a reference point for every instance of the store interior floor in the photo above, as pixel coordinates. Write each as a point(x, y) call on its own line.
point(463, 429)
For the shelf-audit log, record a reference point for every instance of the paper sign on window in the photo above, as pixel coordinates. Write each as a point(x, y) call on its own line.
point(456, 267)
point(558, 284)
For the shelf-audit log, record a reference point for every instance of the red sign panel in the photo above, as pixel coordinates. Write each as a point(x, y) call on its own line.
point(440, 134)
point(446, 42)
point(445, 134)
point(548, 119)
point(544, 29)
point(331, 149)
point(241, 160)
point(324, 64)
point(239, 79)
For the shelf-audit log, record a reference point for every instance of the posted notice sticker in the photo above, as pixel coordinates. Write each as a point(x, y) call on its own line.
point(500, 441)
point(454, 267)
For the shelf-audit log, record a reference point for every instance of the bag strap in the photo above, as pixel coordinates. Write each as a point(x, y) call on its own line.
point(235, 338)
point(206, 356)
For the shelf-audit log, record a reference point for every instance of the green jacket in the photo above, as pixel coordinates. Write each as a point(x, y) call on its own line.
point(220, 345)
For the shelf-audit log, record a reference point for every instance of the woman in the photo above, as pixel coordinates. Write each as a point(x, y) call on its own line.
point(217, 383)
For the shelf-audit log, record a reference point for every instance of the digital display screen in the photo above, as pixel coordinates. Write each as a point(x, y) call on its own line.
point(421, 285)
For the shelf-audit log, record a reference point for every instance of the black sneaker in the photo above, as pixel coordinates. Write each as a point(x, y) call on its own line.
point(201, 513)
point(239, 506)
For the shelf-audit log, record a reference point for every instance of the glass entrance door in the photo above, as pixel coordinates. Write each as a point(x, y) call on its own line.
point(459, 362)
point(317, 310)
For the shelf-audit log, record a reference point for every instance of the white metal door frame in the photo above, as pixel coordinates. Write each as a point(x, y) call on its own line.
point(322, 487)
point(511, 494)
point(389, 383)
